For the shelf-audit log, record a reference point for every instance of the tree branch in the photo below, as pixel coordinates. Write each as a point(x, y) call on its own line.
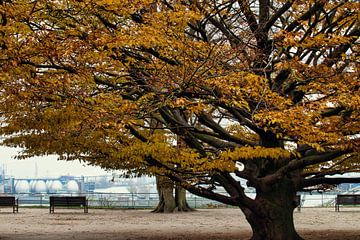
point(277, 15)
point(50, 66)
point(301, 164)
point(334, 56)
point(325, 180)
point(317, 6)
point(209, 122)
point(249, 15)
point(214, 142)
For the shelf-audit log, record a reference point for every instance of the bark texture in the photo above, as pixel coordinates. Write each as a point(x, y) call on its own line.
point(169, 203)
point(271, 217)
point(180, 199)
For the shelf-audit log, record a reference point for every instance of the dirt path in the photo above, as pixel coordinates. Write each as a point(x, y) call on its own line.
point(205, 224)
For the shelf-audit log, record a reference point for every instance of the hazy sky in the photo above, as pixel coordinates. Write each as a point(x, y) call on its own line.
point(47, 166)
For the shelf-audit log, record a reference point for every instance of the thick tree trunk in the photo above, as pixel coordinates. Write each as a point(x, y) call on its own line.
point(277, 225)
point(272, 218)
point(165, 188)
point(167, 202)
point(180, 199)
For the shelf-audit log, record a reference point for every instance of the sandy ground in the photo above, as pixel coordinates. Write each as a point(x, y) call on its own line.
point(204, 224)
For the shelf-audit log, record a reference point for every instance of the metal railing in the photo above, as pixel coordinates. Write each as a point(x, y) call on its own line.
point(150, 200)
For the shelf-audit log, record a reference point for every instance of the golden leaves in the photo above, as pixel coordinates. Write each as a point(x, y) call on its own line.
point(78, 72)
point(295, 39)
point(249, 153)
point(226, 160)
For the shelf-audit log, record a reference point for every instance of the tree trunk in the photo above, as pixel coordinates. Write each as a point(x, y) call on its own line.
point(180, 199)
point(165, 188)
point(167, 202)
point(272, 217)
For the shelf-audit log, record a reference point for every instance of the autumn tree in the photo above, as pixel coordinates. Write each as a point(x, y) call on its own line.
point(266, 91)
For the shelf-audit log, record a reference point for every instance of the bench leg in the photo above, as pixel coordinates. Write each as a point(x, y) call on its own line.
point(51, 209)
point(16, 206)
point(86, 205)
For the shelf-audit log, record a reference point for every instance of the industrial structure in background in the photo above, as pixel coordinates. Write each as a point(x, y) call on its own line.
point(115, 191)
point(74, 184)
point(113, 183)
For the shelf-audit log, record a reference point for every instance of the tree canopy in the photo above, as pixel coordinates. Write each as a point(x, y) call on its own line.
point(263, 90)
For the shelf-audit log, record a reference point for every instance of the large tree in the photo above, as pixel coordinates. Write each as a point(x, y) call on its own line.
point(267, 91)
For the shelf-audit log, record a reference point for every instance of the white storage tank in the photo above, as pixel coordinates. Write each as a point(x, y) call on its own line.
point(22, 186)
point(72, 186)
point(40, 187)
point(56, 186)
point(48, 183)
point(32, 185)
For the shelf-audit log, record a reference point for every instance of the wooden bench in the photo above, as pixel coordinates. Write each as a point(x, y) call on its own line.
point(346, 199)
point(10, 201)
point(68, 201)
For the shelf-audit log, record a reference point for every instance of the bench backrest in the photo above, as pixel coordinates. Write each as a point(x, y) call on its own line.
point(7, 201)
point(348, 199)
point(67, 201)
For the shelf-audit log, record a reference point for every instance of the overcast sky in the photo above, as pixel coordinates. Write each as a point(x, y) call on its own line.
point(47, 166)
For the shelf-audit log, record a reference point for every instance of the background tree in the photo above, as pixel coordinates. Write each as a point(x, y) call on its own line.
point(262, 90)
